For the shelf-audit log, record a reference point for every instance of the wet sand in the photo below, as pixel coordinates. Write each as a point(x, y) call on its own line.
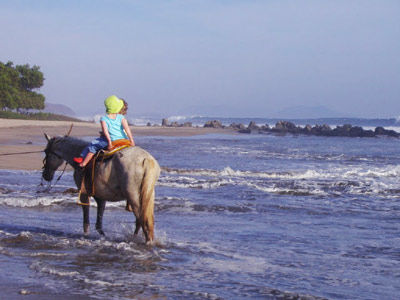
point(18, 136)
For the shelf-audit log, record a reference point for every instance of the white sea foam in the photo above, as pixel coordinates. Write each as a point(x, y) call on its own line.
point(229, 172)
point(177, 118)
point(31, 201)
point(306, 182)
point(43, 268)
point(168, 181)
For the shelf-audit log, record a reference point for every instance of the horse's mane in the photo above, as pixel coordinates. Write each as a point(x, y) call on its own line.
point(69, 141)
point(68, 144)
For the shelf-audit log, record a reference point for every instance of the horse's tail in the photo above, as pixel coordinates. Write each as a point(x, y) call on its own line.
point(150, 177)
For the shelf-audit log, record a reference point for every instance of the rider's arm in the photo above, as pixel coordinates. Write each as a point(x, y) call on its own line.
point(125, 125)
point(106, 134)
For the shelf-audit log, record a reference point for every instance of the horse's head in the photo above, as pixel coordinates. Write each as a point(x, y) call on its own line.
point(52, 159)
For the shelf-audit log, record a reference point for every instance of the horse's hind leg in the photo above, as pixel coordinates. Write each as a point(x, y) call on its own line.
point(138, 225)
point(101, 205)
point(132, 200)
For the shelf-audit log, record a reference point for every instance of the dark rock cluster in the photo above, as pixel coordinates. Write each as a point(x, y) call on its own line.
point(213, 124)
point(283, 127)
point(286, 127)
point(165, 123)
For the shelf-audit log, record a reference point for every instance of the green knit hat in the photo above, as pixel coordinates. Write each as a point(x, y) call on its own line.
point(113, 104)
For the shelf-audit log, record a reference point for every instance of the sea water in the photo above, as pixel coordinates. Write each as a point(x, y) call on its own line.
point(236, 217)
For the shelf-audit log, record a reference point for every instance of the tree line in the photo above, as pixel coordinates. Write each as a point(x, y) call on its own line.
point(18, 85)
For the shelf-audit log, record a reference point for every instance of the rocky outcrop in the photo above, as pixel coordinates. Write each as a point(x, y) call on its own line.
point(213, 124)
point(383, 131)
point(347, 130)
point(164, 122)
point(187, 124)
point(245, 130)
point(236, 126)
point(286, 127)
point(253, 126)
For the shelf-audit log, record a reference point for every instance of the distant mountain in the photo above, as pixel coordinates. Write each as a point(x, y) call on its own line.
point(308, 112)
point(59, 109)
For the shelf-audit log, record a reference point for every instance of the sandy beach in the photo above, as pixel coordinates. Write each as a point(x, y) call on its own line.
point(18, 136)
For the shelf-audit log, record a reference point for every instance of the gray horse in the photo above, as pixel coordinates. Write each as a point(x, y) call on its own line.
point(130, 174)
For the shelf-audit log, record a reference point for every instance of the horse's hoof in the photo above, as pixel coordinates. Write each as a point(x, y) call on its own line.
point(86, 228)
point(150, 243)
point(101, 232)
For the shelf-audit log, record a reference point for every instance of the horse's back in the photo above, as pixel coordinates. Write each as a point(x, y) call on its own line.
point(124, 172)
point(133, 157)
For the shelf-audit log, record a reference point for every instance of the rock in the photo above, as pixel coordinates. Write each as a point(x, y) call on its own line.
point(213, 124)
point(148, 124)
point(239, 126)
point(4, 191)
point(187, 124)
point(324, 130)
point(245, 130)
point(265, 128)
point(342, 130)
point(307, 129)
point(284, 126)
point(164, 122)
point(253, 126)
point(369, 133)
point(382, 131)
point(70, 191)
point(356, 131)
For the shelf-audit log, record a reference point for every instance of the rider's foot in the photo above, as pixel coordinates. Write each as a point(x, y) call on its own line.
point(78, 160)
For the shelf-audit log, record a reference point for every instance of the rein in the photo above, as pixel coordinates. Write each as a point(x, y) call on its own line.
point(16, 153)
point(50, 185)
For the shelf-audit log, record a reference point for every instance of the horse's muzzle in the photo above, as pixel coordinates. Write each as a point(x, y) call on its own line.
point(47, 175)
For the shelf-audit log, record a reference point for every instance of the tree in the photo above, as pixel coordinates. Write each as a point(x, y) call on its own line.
point(17, 85)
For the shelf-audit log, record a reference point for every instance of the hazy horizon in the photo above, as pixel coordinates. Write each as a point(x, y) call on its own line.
point(236, 58)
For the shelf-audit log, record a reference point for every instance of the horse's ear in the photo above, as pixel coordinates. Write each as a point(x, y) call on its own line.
point(48, 138)
point(70, 129)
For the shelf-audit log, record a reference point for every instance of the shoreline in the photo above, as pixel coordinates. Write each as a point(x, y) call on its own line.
point(28, 135)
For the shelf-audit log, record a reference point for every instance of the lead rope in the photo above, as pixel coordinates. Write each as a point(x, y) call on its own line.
point(16, 153)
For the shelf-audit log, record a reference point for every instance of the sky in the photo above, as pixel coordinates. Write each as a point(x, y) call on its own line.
point(239, 58)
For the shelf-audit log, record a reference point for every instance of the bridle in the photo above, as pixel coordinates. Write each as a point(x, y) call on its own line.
point(50, 185)
point(47, 151)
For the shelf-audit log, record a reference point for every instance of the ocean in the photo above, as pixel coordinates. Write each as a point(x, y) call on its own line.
point(388, 123)
point(249, 216)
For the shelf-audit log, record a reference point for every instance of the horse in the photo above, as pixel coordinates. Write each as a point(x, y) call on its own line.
point(130, 174)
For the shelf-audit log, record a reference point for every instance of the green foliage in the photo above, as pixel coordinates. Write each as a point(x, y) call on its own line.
point(36, 116)
point(17, 85)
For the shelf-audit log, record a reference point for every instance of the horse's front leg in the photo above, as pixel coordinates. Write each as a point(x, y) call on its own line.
point(101, 205)
point(85, 209)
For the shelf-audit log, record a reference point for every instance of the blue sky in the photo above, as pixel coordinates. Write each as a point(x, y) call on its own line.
point(225, 58)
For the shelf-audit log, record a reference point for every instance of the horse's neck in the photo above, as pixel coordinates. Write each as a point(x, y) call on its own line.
point(69, 149)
